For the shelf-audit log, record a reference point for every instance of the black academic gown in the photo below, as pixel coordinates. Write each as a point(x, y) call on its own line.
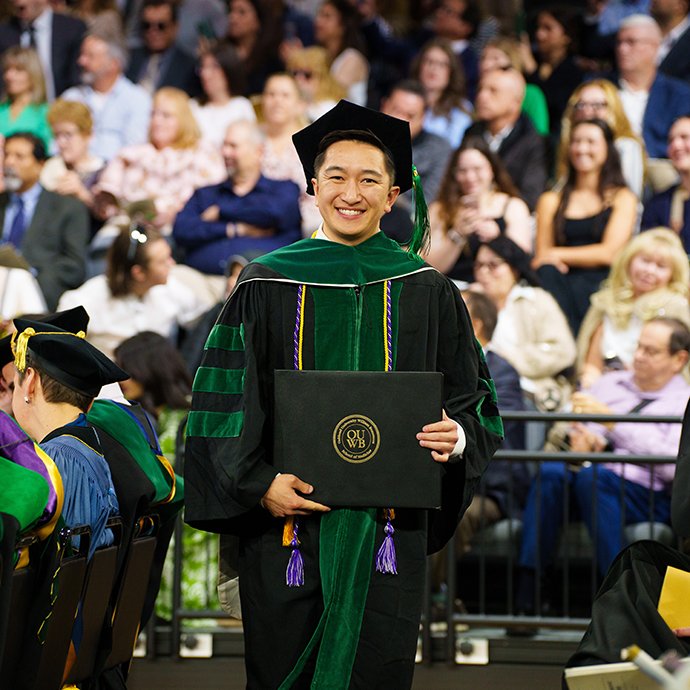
point(624, 611)
point(225, 478)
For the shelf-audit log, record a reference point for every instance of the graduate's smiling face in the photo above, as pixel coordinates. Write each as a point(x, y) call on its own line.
point(353, 191)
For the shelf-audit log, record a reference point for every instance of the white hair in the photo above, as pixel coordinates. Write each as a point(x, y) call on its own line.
point(254, 133)
point(641, 21)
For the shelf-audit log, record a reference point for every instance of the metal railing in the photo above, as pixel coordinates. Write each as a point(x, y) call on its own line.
point(486, 612)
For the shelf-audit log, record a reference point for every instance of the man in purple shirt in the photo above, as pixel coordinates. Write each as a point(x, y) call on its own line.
point(654, 386)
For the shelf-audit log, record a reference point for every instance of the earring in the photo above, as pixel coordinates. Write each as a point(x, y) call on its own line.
point(26, 400)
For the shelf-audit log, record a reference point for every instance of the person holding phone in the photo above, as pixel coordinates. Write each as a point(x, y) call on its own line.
point(477, 203)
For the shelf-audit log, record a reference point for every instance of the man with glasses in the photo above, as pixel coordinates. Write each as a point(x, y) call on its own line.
point(651, 100)
point(160, 62)
point(606, 497)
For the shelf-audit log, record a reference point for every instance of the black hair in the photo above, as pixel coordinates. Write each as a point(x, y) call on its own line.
point(409, 86)
point(129, 248)
point(172, 4)
point(610, 175)
point(472, 15)
point(350, 19)
point(232, 67)
point(362, 135)
point(156, 364)
point(570, 18)
point(38, 147)
point(680, 334)
point(54, 391)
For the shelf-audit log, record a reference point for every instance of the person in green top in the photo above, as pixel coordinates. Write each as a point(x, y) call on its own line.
point(349, 298)
point(24, 108)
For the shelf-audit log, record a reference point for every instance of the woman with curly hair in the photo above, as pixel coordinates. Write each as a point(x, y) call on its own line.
point(477, 202)
point(649, 278)
point(440, 73)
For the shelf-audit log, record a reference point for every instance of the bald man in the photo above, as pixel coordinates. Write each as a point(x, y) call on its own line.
point(248, 213)
point(510, 133)
point(652, 101)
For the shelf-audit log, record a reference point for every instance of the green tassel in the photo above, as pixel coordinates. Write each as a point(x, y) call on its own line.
point(421, 235)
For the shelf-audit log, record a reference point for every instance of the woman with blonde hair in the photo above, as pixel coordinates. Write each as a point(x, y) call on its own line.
point(24, 108)
point(599, 99)
point(310, 67)
point(648, 278)
point(440, 73)
point(167, 169)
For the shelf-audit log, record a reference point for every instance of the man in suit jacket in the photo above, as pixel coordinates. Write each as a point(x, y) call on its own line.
point(50, 231)
point(160, 62)
point(510, 133)
point(56, 37)
point(674, 22)
point(651, 100)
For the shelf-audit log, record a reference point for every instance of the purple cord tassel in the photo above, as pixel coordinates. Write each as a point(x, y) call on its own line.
point(294, 575)
point(386, 561)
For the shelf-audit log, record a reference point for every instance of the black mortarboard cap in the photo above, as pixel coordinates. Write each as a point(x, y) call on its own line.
point(72, 320)
point(392, 132)
point(66, 357)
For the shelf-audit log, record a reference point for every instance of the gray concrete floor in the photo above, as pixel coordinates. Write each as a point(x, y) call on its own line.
point(228, 674)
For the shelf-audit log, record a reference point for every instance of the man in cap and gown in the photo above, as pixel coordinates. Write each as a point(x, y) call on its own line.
point(349, 298)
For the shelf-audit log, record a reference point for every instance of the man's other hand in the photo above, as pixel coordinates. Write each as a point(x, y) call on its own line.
point(282, 498)
point(441, 437)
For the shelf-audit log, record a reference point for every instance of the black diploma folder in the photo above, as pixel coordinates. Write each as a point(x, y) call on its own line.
point(352, 436)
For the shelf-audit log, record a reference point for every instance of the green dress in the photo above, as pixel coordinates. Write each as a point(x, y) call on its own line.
point(32, 119)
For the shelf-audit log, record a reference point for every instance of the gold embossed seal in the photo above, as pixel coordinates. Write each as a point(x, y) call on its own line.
point(356, 438)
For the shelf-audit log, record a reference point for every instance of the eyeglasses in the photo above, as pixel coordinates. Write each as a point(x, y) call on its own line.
point(66, 135)
point(594, 105)
point(158, 26)
point(431, 62)
point(137, 237)
point(305, 73)
point(490, 266)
